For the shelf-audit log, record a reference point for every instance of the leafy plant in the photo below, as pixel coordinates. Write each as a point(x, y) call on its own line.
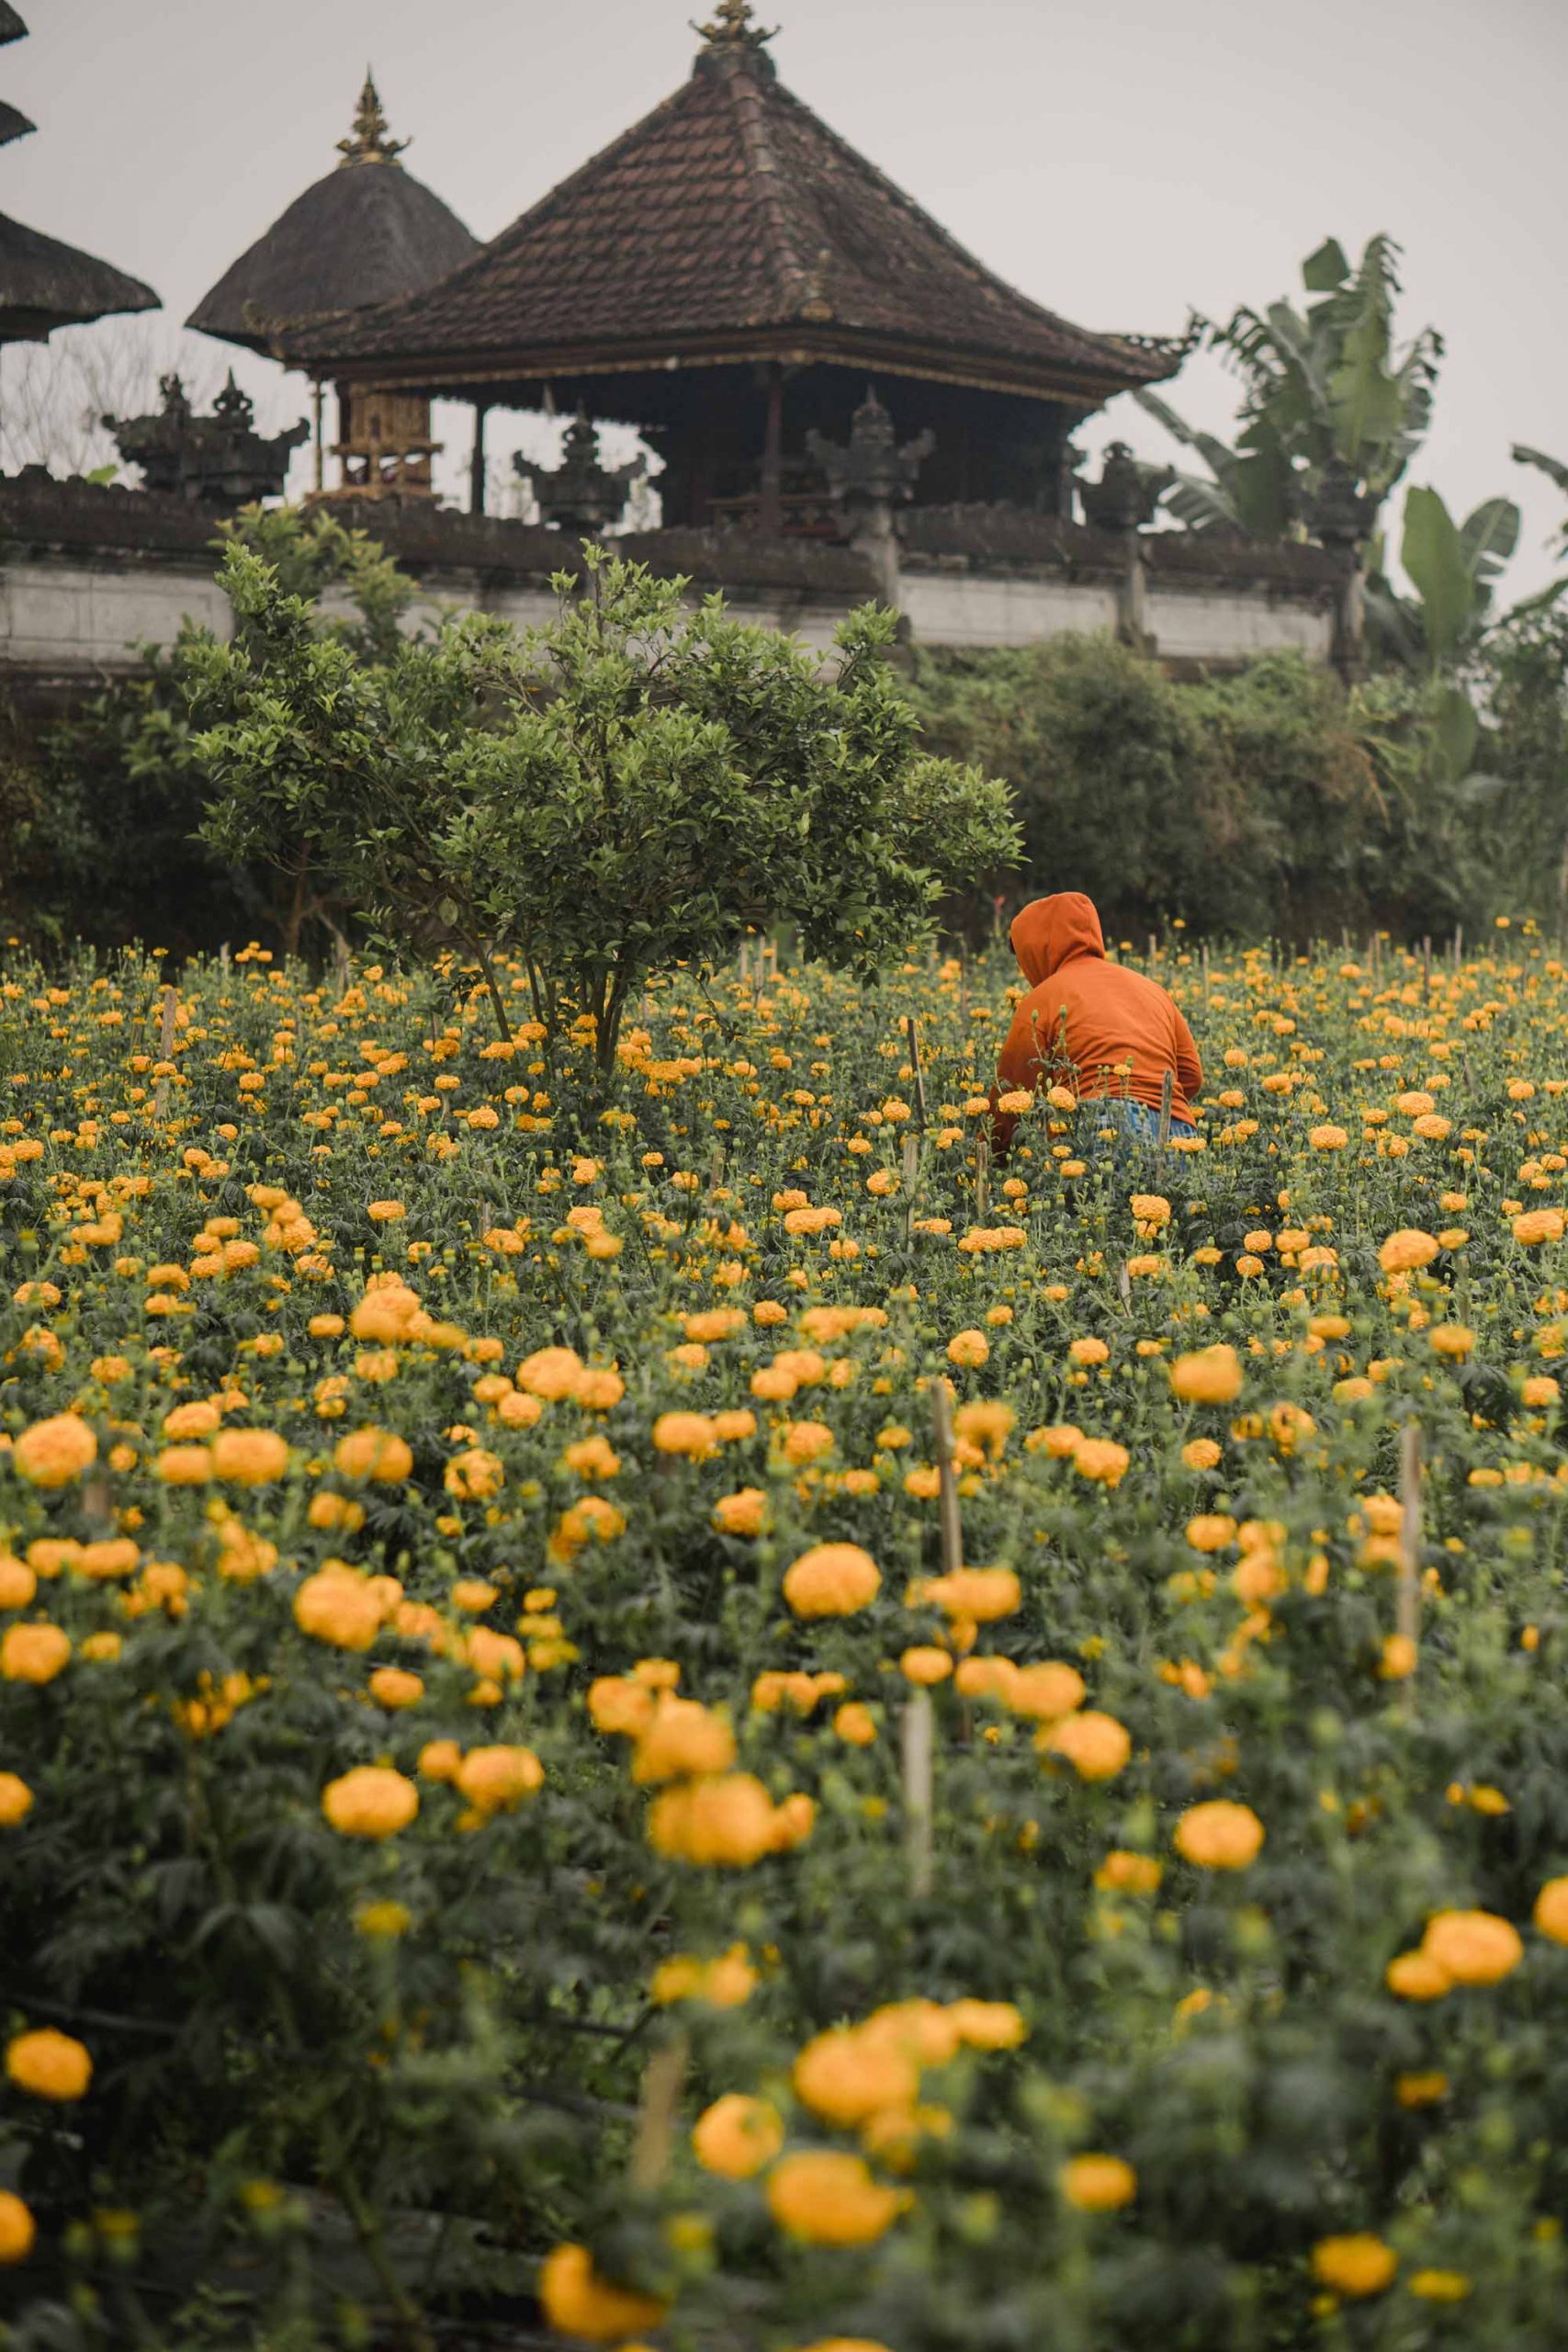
point(634, 786)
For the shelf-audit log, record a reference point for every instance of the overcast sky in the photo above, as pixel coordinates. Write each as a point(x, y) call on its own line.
point(1118, 163)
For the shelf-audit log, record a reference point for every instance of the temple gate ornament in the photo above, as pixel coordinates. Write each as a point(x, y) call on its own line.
point(582, 493)
point(216, 460)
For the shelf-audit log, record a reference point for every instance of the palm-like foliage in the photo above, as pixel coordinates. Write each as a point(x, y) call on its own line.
point(1325, 385)
point(1555, 471)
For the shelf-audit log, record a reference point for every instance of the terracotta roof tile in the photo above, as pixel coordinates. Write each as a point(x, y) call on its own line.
point(730, 215)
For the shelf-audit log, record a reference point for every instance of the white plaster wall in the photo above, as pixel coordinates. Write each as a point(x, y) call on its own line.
point(944, 608)
point(78, 615)
point(1220, 624)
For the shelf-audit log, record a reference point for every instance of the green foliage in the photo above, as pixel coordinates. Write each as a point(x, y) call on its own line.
point(1521, 798)
point(1266, 800)
point(634, 786)
point(1324, 386)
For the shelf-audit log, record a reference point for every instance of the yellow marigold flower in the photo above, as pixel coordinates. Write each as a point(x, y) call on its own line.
point(377, 1454)
point(49, 2064)
point(1472, 1947)
point(1421, 2091)
point(370, 1801)
point(18, 1582)
point(339, 1605)
point(1101, 1460)
point(1044, 1690)
point(729, 1822)
point(737, 2137)
point(1418, 1976)
point(1098, 2183)
point(1398, 1658)
point(1089, 1351)
point(1095, 1744)
point(743, 1513)
point(983, 1594)
point(1354, 2266)
point(988, 2025)
point(924, 1665)
point(1209, 1376)
point(1537, 1226)
point(692, 1434)
point(825, 2197)
point(1219, 1835)
point(439, 1759)
point(1211, 1531)
point(1201, 1454)
point(249, 1457)
point(855, 1725)
point(385, 1920)
point(1126, 1873)
point(495, 1779)
point(551, 1373)
point(384, 1212)
point(33, 1653)
point(831, 1581)
point(16, 1800)
point(475, 1474)
point(1438, 2286)
point(1551, 1913)
point(54, 1452)
point(1406, 1250)
point(580, 2303)
point(394, 1687)
point(680, 1739)
point(18, 2229)
point(968, 1348)
point(726, 1983)
point(1327, 1138)
point(851, 2072)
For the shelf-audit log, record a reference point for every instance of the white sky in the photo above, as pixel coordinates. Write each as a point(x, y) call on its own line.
point(1118, 161)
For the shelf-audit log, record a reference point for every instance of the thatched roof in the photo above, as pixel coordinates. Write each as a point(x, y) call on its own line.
point(45, 285)
point(366, 232)
point(729, 224)
point(14, 124)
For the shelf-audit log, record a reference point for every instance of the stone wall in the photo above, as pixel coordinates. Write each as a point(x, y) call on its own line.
point(89, 574)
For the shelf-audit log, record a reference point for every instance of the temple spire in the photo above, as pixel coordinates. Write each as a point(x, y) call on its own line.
point(368, 142)
point(734, 27)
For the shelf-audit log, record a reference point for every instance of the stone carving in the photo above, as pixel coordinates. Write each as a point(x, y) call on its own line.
point(217, 461)
point(581, 494)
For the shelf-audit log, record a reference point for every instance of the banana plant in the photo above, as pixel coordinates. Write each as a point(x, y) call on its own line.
point(1555, 471)
point(1453, 567)
point(1323, 384)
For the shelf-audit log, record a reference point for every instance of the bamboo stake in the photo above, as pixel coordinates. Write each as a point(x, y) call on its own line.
point(1457, 943)
point(1168, 1088)
point(912, 1030)
point(911, 1183)
point(952, 1525)
point(165, 1048)
point(1407, 1604)
point(917, 1762)
point(662, 2082)
point(982, 1180)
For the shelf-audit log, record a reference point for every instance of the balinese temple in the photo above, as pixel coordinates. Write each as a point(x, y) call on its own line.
point(367, 232)
point(44, 284)
point(731, 277)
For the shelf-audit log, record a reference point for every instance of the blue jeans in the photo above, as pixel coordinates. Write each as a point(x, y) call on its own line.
point(1137, 1122)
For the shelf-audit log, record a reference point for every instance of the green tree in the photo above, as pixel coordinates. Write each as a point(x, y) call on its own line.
point(635, 786)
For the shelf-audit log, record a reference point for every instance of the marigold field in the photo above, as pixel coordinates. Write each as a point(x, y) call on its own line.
point(538, 1794)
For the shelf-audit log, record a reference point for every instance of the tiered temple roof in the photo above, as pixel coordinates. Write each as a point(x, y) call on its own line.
point(367, 232)
point(729, 225)
point(45, 284)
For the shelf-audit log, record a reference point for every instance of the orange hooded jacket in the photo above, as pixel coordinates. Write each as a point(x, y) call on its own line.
point(1085, 1019)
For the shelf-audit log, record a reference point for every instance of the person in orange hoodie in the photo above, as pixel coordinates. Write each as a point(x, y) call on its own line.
point(1095, 1027)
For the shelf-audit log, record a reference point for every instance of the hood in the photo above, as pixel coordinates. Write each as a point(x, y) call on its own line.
point(1052, 931)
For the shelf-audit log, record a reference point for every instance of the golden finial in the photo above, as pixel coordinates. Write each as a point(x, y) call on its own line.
point(734, 27)
point(368, 143)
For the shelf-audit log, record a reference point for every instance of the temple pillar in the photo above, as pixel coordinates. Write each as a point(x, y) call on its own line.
point(477, 462)
point(770, 509)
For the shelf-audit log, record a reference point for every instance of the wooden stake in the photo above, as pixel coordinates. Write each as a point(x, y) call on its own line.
point(662, 2082)
point(911, 1183)
point(952, 1525)
point(1407, 1604)
point(912, 1031)
point(982, 1180)
point(917, 1778)
point(165, 1048)
point(1168, 1088)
